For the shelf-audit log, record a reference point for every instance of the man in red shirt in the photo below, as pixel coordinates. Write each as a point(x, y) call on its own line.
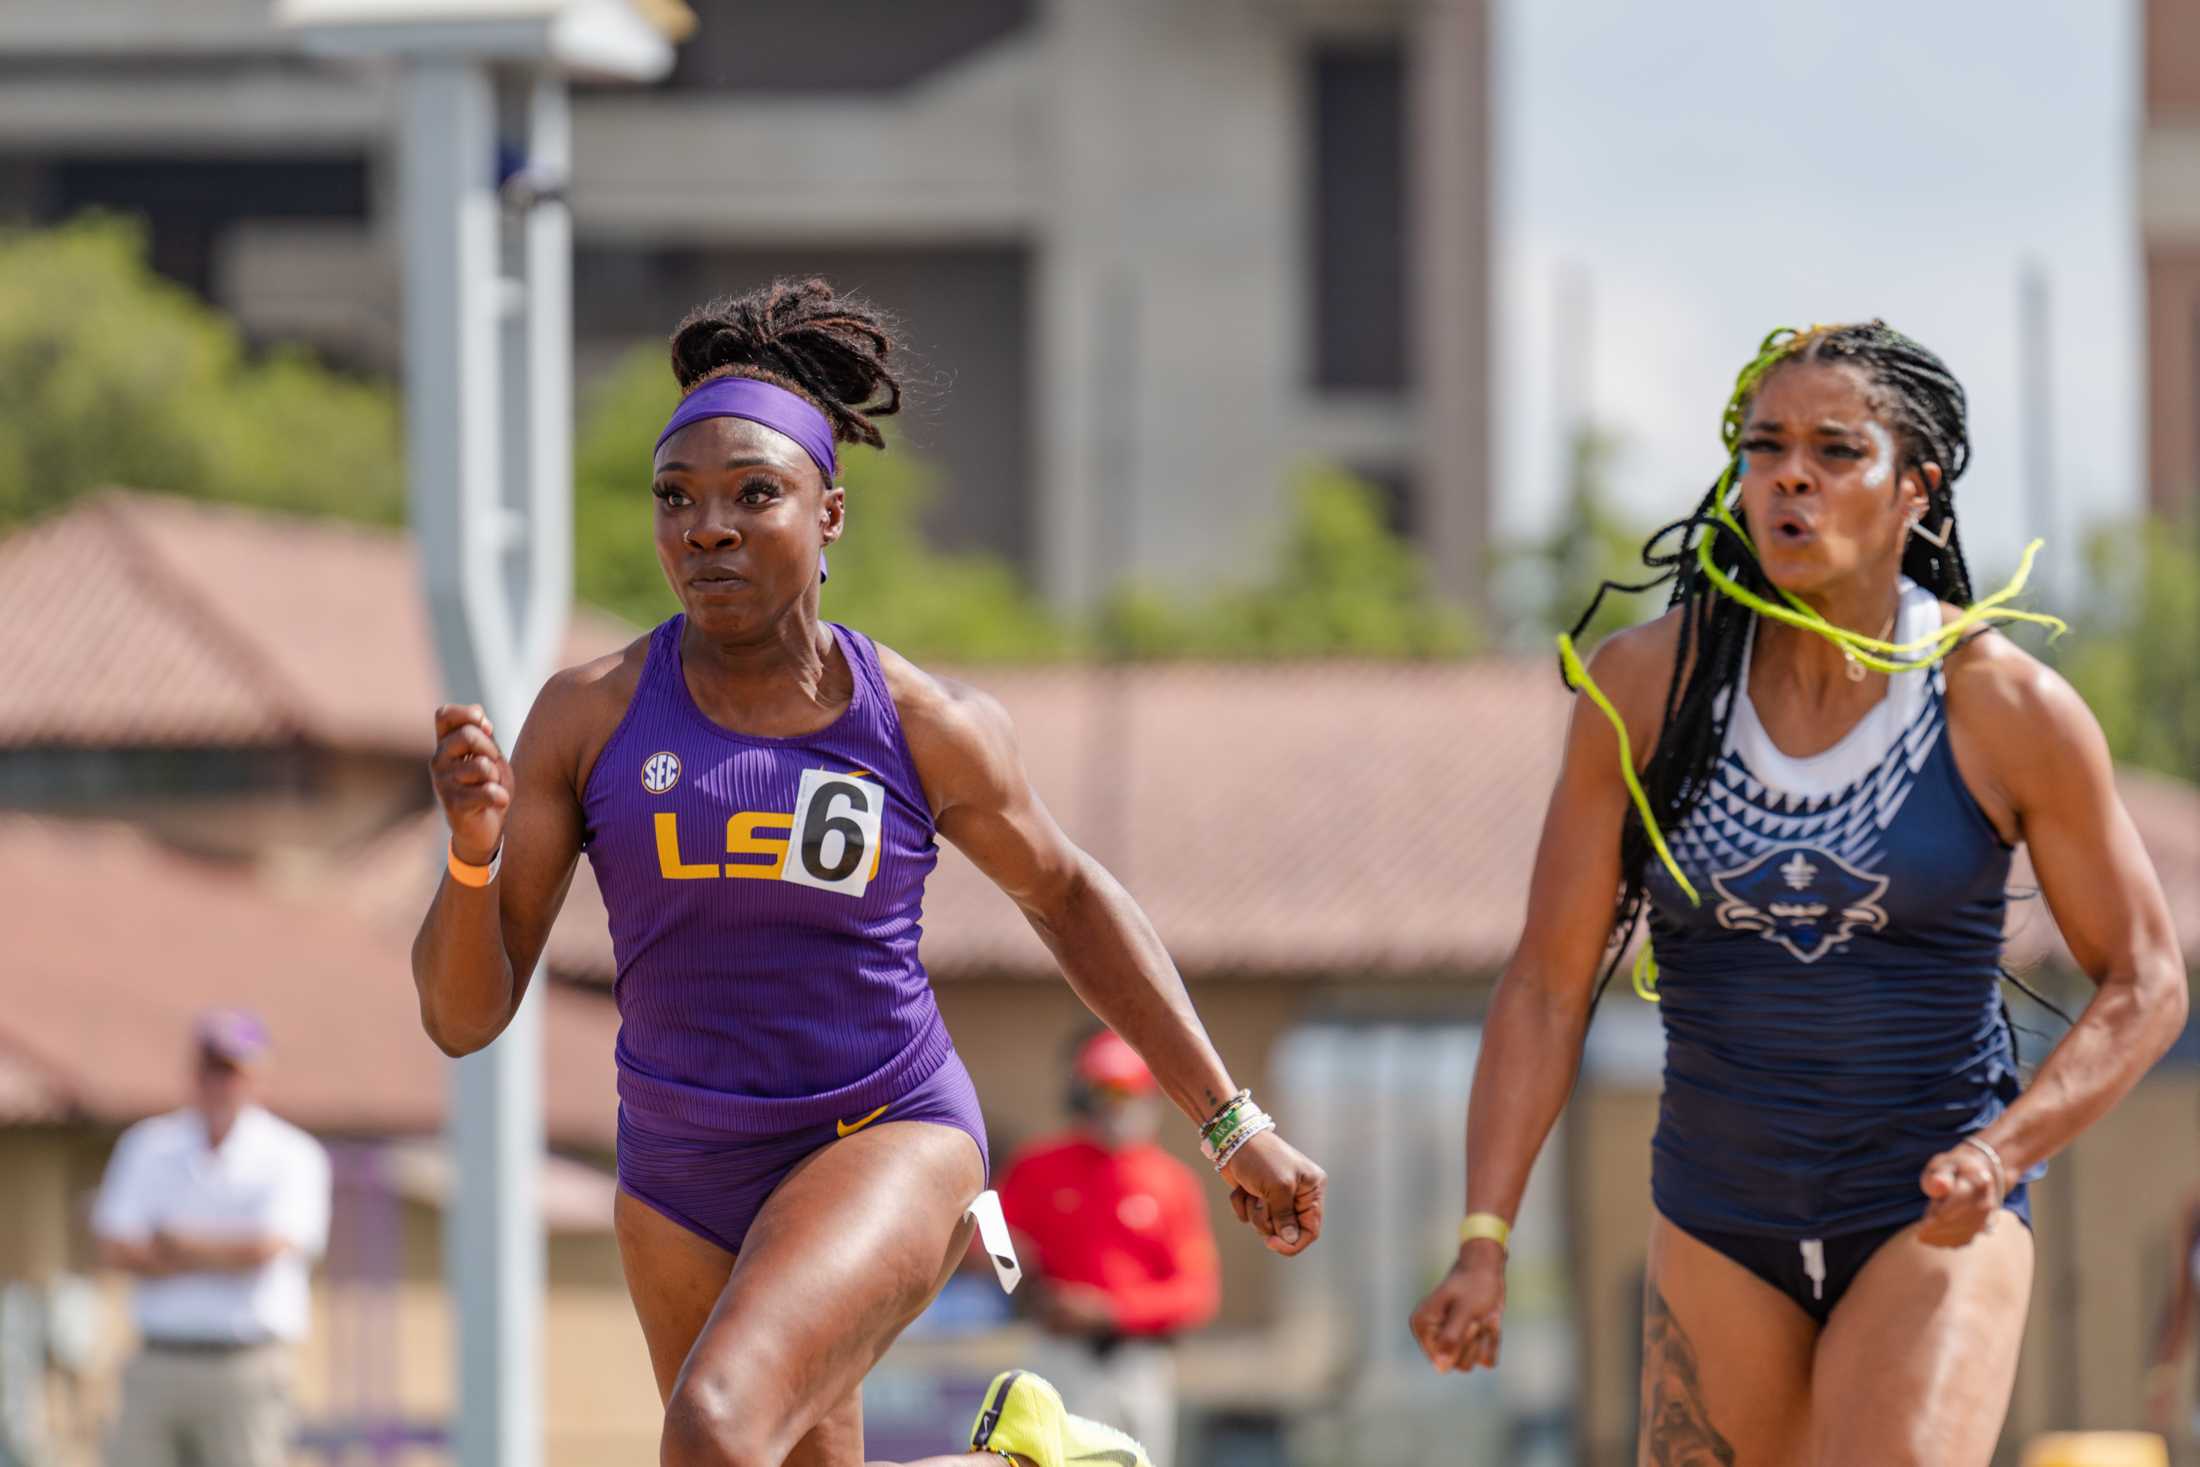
point(1116, 1235)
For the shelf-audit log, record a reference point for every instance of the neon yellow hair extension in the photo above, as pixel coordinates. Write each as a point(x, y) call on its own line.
point(1577, 676)
point(1923, 652)
point(1871, 652)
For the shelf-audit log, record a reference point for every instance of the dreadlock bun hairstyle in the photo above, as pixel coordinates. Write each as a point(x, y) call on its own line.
point(797, 334)
point(1923, 405)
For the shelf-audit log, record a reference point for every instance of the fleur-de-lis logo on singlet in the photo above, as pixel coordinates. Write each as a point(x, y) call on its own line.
point(1807, 900)
point(660, 772)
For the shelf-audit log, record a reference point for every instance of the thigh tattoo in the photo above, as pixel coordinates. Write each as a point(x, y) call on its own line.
point(1676, 1427)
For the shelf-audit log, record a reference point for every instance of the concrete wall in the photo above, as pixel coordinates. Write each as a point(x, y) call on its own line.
point(2173, 351)
point(2171, 58)
point(35, 1227)
point(2169, 222)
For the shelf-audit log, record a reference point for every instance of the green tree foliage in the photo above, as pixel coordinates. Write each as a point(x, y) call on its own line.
point(111, 375)
point(1590, 544)
point(1344, 585)
point(2136, 643)
point(886, 578)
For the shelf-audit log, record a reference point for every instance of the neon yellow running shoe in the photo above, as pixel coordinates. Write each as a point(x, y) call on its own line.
point(1024, 1415)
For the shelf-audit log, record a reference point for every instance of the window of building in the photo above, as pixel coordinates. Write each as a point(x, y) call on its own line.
point(1358, 225)
point(188, 204)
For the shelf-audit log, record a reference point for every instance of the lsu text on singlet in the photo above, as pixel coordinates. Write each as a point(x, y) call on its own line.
point(766, 899)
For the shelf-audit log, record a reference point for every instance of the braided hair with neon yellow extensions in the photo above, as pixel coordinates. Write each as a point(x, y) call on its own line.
point(1711, 564)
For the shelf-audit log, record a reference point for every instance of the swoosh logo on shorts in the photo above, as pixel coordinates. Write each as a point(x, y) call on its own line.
point(1116, 1455)
point(846, 1129)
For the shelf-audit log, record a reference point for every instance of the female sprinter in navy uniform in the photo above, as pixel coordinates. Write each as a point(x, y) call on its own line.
point(1844, 760)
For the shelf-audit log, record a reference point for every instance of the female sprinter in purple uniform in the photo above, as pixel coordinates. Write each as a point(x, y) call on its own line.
point(1844, 761)
point(759, 792)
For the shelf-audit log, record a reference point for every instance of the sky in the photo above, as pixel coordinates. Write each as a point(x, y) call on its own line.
point(1710, 169)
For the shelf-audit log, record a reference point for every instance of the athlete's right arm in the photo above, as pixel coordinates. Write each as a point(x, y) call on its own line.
point(478, 946)
point(1539, 1012)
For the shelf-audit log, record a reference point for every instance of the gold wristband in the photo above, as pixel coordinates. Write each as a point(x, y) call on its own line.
point(466, 873)
point(1486, 1225)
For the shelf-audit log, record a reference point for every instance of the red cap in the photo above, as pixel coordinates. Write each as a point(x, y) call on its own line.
point(1108, 1062)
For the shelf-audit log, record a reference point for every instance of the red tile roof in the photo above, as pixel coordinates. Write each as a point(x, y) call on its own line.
point(138, 619)
point(1326, 818)
point(114, 943)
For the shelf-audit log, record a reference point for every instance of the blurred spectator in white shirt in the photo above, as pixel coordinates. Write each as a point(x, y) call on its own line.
point(218, 1210)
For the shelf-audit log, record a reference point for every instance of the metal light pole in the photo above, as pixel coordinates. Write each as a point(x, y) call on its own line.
point(488, 391)
point(2036, 377)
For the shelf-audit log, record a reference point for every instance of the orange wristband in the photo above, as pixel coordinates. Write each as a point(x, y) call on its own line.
point(465, 873)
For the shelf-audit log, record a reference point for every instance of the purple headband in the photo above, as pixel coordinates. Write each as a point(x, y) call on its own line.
point(760, 402)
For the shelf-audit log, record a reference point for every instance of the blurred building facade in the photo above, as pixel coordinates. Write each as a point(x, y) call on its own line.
point(1151, 254)
point(2169, 216)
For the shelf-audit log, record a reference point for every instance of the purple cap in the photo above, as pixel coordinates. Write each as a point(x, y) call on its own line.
point(235, 1035)
point(760, 402)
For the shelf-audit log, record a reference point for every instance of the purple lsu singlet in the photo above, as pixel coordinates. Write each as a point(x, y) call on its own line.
point(766, 896)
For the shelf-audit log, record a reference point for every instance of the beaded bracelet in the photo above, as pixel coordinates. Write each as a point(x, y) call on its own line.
point(1215, 1148)
point(1219, 1123)
point(1252, 1128)
point(1225, 1142)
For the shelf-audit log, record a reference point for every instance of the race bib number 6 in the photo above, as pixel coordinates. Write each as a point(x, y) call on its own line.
point(837, 820)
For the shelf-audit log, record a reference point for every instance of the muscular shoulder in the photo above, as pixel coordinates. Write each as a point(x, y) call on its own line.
point(593, 687)
point(1998, 692)
point(2019, 727)
point(938, 706)
point(580, 706)
point(960, 736)
point(1634, 667)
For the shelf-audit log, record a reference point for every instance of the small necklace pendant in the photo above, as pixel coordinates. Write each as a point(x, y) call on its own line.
point(1854, 669)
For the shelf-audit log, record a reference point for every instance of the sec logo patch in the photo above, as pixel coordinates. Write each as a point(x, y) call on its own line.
point(660, 772)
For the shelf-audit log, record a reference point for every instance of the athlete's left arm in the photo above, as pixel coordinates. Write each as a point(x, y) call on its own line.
point(2035, 756)
point(982, 800)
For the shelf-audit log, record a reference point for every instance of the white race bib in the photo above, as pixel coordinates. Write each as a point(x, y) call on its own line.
point(837, 823)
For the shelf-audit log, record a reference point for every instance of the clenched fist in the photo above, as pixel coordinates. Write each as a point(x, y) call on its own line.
point(1278, 1192)
point(1462, 1322)
point(472, 781)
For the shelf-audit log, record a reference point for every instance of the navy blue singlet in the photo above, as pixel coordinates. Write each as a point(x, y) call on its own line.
point(1832, 1012)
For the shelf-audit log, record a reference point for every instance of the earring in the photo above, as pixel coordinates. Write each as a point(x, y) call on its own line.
point(1938, 541)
